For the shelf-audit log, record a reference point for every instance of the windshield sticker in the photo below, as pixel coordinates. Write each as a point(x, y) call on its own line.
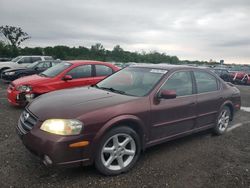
point(159, 71)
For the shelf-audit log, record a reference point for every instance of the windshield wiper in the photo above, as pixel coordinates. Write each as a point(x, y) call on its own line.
point(111, 89)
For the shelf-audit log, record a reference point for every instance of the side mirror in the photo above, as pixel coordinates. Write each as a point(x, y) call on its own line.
point(67, 77)
point(167, 94)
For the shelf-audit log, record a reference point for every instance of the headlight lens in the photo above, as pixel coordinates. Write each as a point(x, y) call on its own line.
point(62, 126)
point(9, 73)
point(24, 88)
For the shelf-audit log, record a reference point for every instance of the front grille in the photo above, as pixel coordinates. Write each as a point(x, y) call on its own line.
point(26, 122)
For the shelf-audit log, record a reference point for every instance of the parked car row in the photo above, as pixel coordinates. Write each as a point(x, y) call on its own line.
point(121, 112)
point(61, 76)
point(22, 61)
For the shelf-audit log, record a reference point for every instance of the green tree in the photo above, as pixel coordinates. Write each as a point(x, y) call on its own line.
point(14, 35)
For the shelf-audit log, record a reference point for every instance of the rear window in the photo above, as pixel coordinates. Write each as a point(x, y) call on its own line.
point(205, 82)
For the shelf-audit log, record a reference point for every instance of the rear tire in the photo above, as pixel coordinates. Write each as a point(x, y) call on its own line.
point(118, 151)
point(222, 121)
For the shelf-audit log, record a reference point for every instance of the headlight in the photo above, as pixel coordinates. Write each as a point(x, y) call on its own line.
point(62, 126)
point(24, 88)
point(9, 73)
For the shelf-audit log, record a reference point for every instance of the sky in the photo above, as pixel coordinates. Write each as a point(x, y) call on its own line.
point(190, 29)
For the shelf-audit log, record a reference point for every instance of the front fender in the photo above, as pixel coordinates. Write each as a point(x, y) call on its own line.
point(117, 121)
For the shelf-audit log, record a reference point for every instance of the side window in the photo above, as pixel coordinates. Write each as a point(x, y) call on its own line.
point(53, 64)
point(181, 82)
point(44, 65)
point(25, 60)
point(205, 82)
point(102, 70)
point(83, 71)
point(33, 59)
point(48, 58)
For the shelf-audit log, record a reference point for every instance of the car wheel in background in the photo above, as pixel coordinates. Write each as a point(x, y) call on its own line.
point(118, 151)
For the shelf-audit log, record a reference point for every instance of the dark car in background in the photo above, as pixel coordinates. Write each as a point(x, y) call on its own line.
point(34, 68)
point(223, 73)
point(109, 124)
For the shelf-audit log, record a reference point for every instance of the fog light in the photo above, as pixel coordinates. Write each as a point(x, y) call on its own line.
point(47, 161)
point(29, 97)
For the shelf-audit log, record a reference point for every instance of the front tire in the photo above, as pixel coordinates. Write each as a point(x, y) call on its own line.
point(118, 151)
point(222, 121)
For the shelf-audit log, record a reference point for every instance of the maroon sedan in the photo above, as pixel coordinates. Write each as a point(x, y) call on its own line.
point(109, 124)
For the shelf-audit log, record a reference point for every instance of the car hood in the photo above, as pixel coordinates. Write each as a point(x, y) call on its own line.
point(73, 103)
point(31, 80)
point(9, 64)
point(16, 69)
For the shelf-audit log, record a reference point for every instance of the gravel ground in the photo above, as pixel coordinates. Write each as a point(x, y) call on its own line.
point(200, 160)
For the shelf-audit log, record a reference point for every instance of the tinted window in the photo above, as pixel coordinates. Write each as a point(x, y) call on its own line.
point(25, 60)
point(48, 58)
point(83, 71)
point(44, 65)
point(205, 82)
point(54, 71)
point(181, 82)
point(33, 59)
point(102, 70)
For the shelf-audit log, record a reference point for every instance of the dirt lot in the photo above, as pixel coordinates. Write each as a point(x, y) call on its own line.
point(201, 160)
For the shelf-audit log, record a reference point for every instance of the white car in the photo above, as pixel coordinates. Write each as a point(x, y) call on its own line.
point(22, 61)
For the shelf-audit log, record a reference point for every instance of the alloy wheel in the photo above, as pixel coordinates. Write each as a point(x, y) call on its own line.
point(223, 120)
point(118, 152)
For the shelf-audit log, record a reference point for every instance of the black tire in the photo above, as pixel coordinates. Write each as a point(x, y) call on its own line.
point(222, 121)
point(108, 139)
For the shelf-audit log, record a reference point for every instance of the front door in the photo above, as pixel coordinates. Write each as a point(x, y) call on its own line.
point(171, 117)
point(81, 76)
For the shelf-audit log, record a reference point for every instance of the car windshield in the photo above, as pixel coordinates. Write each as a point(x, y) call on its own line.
point(16, 59)
point(135, 81)
point(32, 65)
point(55, 70)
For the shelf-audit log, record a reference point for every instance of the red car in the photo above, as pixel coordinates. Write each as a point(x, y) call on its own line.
point(64, 75)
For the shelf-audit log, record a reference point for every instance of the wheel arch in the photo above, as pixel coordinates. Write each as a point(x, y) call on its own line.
point(130, 121)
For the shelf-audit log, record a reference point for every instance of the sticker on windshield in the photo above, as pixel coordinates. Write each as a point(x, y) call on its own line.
point(159, 71)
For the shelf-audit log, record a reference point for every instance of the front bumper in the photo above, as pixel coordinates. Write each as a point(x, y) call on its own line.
point(54, 149)
point(16, 98)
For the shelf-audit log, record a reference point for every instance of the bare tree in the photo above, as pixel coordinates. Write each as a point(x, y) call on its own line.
point(14, 35)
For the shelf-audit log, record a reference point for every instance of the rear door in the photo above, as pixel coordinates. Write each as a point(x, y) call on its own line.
point(209, 98)
point(100, 72)
point(171, 117)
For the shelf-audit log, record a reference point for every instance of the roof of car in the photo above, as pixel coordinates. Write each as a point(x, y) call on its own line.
point(165, 66)
point(88, 61)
